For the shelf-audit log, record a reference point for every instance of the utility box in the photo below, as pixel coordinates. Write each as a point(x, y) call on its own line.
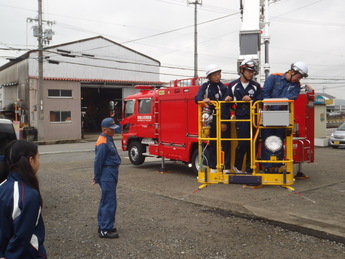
point(276, 112)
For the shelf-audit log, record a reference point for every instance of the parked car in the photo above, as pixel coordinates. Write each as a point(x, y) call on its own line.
point(338, 137)
point(7, 134)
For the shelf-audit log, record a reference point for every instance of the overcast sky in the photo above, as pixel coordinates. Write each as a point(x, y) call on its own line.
point(312, 31)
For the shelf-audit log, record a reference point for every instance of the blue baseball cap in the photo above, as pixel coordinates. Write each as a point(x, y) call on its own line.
point(109, 123)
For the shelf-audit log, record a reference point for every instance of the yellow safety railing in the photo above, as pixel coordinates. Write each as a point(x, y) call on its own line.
point(261, 118)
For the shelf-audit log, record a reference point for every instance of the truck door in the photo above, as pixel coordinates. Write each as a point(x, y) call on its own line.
point(129, 118)
point(145, 126)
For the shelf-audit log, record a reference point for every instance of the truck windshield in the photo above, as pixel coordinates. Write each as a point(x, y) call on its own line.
point(129, 108)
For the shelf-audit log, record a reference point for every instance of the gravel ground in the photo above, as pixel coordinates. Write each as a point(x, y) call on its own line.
point(156, 226)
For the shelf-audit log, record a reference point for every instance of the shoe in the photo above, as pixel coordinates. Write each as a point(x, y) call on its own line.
point(301, 176)
point(108, 234)
point(213, 170)
point(114, 230)
point(249, 171)
point(236, 170)
point(226, 171)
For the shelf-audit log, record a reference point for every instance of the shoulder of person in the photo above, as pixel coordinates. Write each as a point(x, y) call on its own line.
point(222, 85)
point(101, 140)
point(255, 83)
point(30, 197)
point(205, 83)
point(232, 83)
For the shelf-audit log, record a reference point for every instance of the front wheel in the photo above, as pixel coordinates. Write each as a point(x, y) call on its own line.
point(195, 160)
point(135, 153)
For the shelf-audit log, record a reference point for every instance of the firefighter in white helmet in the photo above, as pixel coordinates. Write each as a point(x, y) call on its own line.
point(214, 90)
point(244, 89)
point(282, 85)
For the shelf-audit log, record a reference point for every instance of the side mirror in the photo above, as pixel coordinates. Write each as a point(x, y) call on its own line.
point(111, 105)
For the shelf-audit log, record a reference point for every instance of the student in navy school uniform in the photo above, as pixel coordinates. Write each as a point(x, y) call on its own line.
point(214, 90)
point(244, 89)
point(22, 229)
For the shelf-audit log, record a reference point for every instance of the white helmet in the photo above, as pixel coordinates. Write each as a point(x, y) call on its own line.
point(300, 67)
point(211, 69)
point(249, 64)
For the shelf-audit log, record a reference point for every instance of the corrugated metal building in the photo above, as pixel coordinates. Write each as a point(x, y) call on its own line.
point(79, 80)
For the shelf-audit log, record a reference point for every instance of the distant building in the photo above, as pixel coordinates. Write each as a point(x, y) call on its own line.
point(80, 78)
point(335, 109)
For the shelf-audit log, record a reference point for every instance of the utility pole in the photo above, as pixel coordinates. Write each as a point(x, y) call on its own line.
point(42, 37)
point(195, 3)
point(40, 67)
point(266, 38)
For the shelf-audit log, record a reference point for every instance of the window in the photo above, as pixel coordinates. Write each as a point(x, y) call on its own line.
point(129, 108)
point(56, 93)
point(60, 116)
point(144, 106)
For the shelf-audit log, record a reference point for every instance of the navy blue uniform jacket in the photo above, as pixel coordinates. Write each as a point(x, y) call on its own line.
point(276, 86)
point(215, 92)
point(237, 92)
point(106, 155)
point(21, 225)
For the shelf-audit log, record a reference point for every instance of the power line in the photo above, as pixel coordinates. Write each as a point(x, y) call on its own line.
point(303, 21)
point(182, 28)
point(297, 9)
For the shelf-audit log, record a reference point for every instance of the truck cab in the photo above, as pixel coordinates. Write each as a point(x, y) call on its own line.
point(7, 134)
point(162, 122)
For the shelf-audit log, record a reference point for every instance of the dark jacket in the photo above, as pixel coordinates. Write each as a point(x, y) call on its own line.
point(237, 92)
point(21, 225)
point(215, 92)
point(106, 156)
point(276, 86)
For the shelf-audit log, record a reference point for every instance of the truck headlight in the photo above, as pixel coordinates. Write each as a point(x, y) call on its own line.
point(273, 143)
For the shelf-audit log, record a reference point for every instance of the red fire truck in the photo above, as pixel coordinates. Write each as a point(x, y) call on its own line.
point(163, 122)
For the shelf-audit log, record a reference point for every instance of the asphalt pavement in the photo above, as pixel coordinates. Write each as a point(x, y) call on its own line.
point(316, 207)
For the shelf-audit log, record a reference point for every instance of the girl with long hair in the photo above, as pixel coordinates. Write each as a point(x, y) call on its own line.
point(21, 225)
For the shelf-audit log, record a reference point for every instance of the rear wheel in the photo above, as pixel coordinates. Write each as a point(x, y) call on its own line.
point(195, 160)
point(135, 153)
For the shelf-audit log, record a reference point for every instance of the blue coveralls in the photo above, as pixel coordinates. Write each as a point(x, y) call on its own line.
point(276, 86)
point(216, 92)
point(21, 225)
point(237, 92)
point(106, 172)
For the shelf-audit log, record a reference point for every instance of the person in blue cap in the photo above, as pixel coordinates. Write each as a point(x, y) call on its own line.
point(22, 230)
point(106, 173)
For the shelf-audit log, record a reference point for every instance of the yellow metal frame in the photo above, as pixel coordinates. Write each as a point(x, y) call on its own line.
point(285, 177)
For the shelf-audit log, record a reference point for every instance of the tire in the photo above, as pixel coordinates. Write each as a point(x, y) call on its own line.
point(135, 153)
point(195, 160)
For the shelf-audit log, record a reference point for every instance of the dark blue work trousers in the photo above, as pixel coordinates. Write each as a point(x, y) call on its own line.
point(243, 146)
point(108, 204)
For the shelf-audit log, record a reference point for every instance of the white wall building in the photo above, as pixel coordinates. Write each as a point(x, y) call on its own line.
point(78, 77)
